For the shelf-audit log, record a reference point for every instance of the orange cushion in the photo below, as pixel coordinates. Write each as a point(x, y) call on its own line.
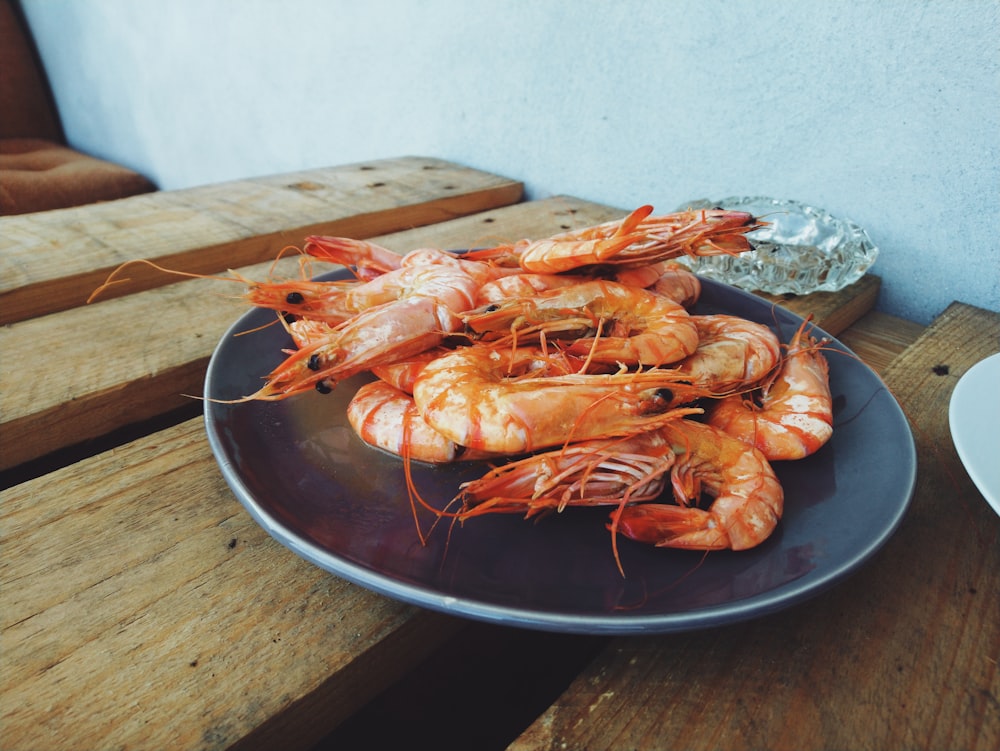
point(38, 175)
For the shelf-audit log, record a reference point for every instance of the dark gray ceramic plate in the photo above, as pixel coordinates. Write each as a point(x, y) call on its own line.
point(298, 468)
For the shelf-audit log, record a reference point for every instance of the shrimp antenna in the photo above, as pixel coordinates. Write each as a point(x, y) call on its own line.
point(112, 280)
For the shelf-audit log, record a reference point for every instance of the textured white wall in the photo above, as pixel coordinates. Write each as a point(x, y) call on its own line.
point(883, 111)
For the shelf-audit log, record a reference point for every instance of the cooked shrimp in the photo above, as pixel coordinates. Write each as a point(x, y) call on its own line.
point(523, 285)
point(606, 321)
point(424, 311)
point(516, 400)
point(596, 472)
point(329, 302)
point(386, 417)
point(678, 283)
point(747, 504)
point(401, 282)
point(794, 417)
point(527, 284)
point(604, 238)
point(335, 302)
point(640, 240)
point(366, 259)
point(637, 240)
point(631, 473)
point(733, 354)
point(403, 373)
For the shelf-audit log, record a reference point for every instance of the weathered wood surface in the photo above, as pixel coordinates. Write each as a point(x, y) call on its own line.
point(878, 338)
point(143, 608)
point(833, 311)
point(54, 260)
point(903, 655)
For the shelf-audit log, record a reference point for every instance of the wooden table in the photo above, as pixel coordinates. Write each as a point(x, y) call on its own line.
point(143, 608)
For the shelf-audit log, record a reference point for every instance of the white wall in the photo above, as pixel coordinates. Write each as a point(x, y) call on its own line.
point(883, 111)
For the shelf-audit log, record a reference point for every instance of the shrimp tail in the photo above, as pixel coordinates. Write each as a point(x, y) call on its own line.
point(367, 260)
point(666, 525)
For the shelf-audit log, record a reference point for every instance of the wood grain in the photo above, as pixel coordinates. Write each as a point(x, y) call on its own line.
point(833, 311)
point(53, 260)
point(903, 655)
point(138, 596)
point(878, 338)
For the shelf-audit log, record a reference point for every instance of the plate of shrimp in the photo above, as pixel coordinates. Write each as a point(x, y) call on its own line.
point(525, 453)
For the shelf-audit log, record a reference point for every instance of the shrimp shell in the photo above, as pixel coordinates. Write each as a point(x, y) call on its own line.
point(505, 401)
point(423, 312)
point(795, 415)
point(733, 354)
point(606, 321)
point(640, 239)
point(366, 259)
point(385, 417)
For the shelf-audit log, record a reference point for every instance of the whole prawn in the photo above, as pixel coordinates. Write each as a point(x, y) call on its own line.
point(792, 415)
point(632, 473)
point(606, 321)
point(595, 472)
point(637, 240)
point(512, 401)
point(423, 308)
point(326, 301)
point(672, 280)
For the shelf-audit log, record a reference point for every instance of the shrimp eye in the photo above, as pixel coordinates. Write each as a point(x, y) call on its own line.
point(323, 387)
point(665, 394)
point(313, 363)
point(492, 308)
point(294, 298)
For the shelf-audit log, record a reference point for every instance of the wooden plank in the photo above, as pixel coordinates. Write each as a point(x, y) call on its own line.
point(833, 311)
point(878, 338)
point(53, 260)
point(903, 655)
point(489, 228)
point(138, 596)
point(138, 356)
